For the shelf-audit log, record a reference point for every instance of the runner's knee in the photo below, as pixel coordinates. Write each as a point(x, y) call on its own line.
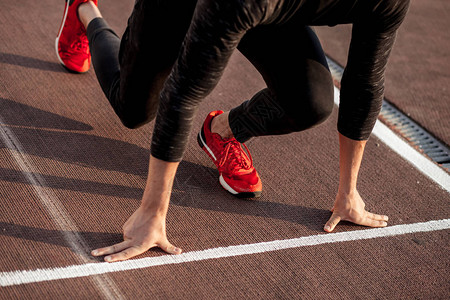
point(312, 114)
point(312, 106)
point(136, 120)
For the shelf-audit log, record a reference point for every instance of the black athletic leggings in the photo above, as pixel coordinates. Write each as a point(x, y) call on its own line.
point(291, 61)
point(137, 77)
point(299, 91)
point(132, 71)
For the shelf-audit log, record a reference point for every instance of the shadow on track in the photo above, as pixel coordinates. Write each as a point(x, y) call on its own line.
point(17, 114)
point(30, 62)
point(56, 237)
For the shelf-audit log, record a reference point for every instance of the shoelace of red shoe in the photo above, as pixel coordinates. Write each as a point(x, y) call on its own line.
point(81, 44)
point(234, 154)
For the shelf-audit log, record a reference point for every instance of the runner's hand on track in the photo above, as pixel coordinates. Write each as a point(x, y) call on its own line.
point(352, 208)
point(141, 232)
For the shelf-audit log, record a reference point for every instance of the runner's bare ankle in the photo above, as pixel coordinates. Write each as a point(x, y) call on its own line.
point(88, 11)
point(221, 126)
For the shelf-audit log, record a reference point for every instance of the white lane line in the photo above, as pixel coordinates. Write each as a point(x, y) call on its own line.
point(75, 271)
point(423, 164)
point(56, 210)
point(402, 148)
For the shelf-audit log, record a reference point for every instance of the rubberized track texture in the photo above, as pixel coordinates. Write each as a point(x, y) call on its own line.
point(71, 174)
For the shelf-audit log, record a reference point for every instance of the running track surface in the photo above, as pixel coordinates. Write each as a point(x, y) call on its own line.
point(71, 175)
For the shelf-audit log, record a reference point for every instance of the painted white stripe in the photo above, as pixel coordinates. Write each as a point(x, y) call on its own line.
point(56, 210)
point(75, 271)
point(402, 148)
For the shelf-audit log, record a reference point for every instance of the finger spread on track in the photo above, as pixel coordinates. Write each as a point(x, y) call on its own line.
point(125, 254)
point(332, 222)
point(377, 217)
point(111, 249)
point(169, 248)
point(373, 223)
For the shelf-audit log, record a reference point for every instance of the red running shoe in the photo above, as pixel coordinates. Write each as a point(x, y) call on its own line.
point(237, 174)
point(72, 46)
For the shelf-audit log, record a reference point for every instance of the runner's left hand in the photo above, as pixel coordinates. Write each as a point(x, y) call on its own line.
point(141, 232)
